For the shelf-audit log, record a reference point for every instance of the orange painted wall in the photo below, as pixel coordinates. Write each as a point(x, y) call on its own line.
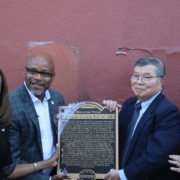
point(97, 28)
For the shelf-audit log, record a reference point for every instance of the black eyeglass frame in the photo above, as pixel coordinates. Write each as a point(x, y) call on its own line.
point(43, 74)
point(143, 78)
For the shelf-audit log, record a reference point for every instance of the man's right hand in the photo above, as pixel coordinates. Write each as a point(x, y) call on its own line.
point(111, 105)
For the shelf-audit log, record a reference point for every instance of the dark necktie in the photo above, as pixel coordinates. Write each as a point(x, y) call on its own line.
point(129, 133)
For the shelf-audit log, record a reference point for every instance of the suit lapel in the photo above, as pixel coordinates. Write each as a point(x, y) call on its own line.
point(146, 117)
point(30, 109)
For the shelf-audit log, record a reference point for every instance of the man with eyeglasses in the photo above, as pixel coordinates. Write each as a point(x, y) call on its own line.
point(33, 105)
point(149, 126)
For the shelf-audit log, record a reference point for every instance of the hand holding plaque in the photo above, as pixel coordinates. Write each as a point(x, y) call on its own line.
point(88, 139)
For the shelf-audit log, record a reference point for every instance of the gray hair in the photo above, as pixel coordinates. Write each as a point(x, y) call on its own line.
point(160, 66)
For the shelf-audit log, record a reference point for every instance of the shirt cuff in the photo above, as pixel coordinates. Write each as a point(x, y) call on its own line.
point(122, 175)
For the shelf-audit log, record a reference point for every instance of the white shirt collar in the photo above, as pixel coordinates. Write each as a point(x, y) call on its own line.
point(146, 104)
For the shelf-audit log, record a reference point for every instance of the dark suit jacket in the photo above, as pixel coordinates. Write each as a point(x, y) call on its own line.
point(25, 137)
point(5, 153)
point(155, 138)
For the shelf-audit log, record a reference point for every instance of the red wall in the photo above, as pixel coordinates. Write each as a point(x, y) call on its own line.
point(97, 28)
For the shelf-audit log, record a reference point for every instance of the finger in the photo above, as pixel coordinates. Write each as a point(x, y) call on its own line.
point(108, 103)
point(57, 116)
point(119, 106)
point(113, 105)
point(56, 119)
point(175, 157)
point(171, 162)
point(57, 146)
point(175, 169)
point(177, 163)
point(106, 176)
point(104, 102)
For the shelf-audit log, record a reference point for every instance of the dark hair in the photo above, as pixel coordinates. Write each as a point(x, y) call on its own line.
point(4, 102)
point(160, 67)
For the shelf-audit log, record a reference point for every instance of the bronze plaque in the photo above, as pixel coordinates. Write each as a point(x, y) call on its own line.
point(88, 139)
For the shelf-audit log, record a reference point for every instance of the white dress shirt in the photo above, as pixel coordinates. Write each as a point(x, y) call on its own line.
point(42, 110)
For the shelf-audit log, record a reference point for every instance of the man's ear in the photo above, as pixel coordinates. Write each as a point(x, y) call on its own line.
point(53, 77)
point(162, 83)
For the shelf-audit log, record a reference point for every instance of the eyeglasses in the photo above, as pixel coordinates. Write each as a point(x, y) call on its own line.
point(144, 78)
point(34, 72)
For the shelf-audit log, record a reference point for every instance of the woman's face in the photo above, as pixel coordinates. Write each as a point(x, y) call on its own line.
point(0, 83)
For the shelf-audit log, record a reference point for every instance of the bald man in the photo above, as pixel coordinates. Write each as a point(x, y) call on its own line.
point(33, 106)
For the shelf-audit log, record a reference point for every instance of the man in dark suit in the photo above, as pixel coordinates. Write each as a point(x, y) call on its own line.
point(33, 105)
point(146, 142)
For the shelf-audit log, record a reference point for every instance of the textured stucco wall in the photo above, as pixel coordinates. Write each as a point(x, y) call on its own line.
point(97, 29)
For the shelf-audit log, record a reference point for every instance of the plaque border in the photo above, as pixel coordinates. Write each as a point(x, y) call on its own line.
point(98, 175)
